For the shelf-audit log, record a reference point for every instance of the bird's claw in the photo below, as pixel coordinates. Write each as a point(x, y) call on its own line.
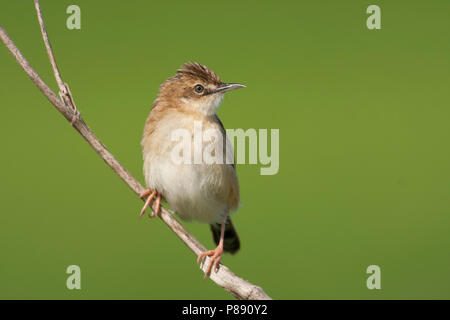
point(151, 194)
point(215, 255)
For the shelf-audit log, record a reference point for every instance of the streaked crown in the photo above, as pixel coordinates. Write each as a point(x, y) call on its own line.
point(196, 71)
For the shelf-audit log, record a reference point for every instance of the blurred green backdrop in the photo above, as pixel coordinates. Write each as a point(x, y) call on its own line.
point(364, 148)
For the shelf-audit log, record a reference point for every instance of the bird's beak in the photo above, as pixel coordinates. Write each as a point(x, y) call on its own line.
point(224, 87)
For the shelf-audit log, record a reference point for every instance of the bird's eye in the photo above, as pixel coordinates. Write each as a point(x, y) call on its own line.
point(199, 88)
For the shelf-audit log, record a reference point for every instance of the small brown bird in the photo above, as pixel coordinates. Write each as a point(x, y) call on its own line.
point(202, 190)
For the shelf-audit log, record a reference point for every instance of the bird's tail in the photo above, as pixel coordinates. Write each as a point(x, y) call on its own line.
point(231, 242)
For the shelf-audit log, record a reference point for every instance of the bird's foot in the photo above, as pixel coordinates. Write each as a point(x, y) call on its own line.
point(215, 255)
point(151, 194)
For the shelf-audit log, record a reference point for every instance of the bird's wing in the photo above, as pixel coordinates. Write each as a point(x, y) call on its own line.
point(227, 146)
point(233, 197)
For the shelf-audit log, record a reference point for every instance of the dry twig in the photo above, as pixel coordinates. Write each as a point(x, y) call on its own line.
point(234, 284)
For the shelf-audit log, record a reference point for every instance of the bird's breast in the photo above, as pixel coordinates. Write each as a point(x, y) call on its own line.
point(195, 190)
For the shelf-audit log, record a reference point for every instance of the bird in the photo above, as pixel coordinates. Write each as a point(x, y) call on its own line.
point(197, 191)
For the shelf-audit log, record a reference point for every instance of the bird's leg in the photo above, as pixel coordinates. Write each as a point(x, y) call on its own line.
point(215, 254)
point(151, 194)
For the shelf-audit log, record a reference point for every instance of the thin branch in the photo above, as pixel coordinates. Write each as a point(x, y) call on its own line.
point(225, 278)
point(48, 46)
point(64, 91)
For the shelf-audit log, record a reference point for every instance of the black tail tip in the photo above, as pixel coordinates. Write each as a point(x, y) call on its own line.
point(231, 245)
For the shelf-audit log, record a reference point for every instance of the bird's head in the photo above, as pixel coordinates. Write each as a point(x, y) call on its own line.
point(195, 88)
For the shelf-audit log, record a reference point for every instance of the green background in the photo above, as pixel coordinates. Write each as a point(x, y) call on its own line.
point(364, 148)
